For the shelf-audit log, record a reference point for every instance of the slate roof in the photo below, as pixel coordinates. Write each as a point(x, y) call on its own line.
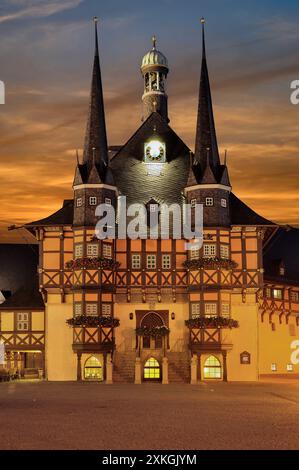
point(63, 216)
point(18, 275)
point(283, 249)
point(25, 298)
point(241, 214)
point(132, 176)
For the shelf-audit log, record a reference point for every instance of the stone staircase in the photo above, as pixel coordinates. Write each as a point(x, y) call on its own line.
point(124, 367)
point(178, 367)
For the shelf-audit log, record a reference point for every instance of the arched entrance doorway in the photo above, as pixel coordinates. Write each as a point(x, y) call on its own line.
point(212, 368)
point(152, 371)
point(93, 369)
point(151, 320)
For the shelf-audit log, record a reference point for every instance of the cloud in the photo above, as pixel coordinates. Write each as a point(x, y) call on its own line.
point(41, 10)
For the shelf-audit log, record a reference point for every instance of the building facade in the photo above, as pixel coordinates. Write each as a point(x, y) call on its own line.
point(134, 310)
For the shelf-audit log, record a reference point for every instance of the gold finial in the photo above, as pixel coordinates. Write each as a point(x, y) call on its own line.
point(202, 20)
point(154, 39)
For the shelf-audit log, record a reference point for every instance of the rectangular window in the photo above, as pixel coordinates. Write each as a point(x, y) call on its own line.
point(209, 251)
point(194, 253)
point(294, 296)
point(92, 201)
point(78, 309)
point(108, 201)
point(277, 294)
point(193, 203)
point(195, 310)
point(224, 251)
point(268, 293)
point(107, 250)
point(106, 310)
point(274, 367)
point(78, 251)
point(225, 309)
point(223, 202)
point(79, 202)
point(91, 309)
point(209, 201)
point(290, 367)
point(22, 321)
point(92, 250)
point(136, 261)
point(210, 310)
point(166, 261)
point(151, 261)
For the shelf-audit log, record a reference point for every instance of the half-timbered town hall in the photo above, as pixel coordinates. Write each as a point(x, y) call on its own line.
point(134, 310)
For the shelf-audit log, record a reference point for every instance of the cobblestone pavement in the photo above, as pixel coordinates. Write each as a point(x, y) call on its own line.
point(48, 415)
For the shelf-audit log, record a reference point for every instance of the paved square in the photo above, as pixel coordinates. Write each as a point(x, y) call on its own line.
point(47, 415)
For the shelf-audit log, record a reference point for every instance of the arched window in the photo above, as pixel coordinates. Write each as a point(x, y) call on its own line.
point(212, 368)
point(93, 369)
point(152, 370)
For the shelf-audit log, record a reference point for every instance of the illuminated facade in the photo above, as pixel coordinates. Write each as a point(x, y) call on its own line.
point(123, 310)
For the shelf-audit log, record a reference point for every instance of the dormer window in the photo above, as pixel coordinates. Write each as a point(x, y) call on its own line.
point(193, 203)
point(209, 201)
point(79, 202)
point(108, 201)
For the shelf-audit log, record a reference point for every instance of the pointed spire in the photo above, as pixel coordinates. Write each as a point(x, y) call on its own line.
point(154, 40)
point(191, 177)
point(205, 130)
point(208, 176)
point(96, 137)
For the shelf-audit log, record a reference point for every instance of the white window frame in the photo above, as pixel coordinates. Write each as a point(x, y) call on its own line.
point(166, 261)
point(195, 310)
point(290, 367)
point(91, 309)
point(209, 250)
point(22, 321)
point(153, 207)
point(92, 250)
point(151, 261)
point(79, 202)
point(78, 309)
point(136, 261)
point(223, 202)
point(194, 252)
point(210, 309)
point(93, 200)
point(108, 201)
point(225, 309)
point(273, 367)
point(78, 251)
point(106, 310)
point(224, 251)
point(209, 202)
point(193, 203)
point(107, 250)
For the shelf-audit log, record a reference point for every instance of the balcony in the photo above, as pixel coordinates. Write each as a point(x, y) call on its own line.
point(210, 333)
point(93, 334)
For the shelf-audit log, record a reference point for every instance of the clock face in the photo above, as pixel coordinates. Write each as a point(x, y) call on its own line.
point(155, 151)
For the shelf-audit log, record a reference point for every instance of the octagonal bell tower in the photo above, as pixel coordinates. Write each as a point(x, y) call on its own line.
point(154, 68)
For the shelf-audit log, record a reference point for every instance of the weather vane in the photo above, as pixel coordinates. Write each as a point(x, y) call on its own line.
point(154, 39)
point(95, 19)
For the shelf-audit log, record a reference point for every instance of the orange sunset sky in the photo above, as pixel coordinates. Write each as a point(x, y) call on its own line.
point(46, 51)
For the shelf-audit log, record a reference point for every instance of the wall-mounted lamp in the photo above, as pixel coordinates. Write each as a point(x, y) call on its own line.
point(173, 316)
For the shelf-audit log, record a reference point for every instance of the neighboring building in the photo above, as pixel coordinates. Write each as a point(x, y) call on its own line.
point(22, 327)
point(127, 301)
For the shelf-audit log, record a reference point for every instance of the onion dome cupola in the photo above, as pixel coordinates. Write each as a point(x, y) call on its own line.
point(154, 69)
